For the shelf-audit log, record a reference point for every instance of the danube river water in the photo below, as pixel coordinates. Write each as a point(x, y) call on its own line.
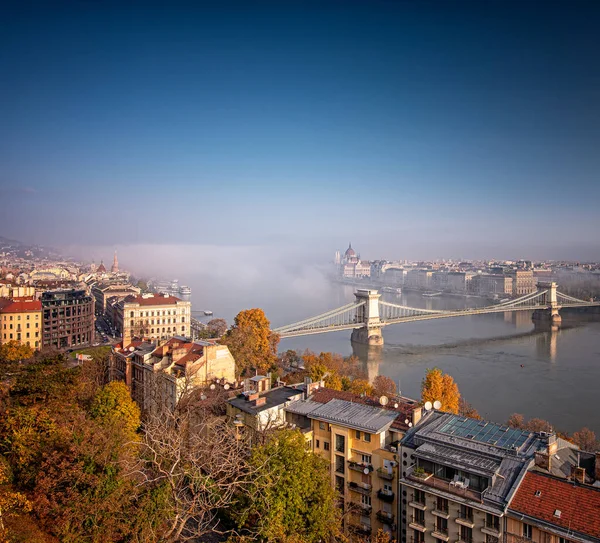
point(501, 363)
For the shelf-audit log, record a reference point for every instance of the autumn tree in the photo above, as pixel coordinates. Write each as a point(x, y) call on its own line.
point(516, 420)
point(586, 440)
point(11, 501)
point(293, 500)
point(251, 342)
point(384, 386)
point(360, 387)
point(465, 409)
point(439, 386)
point(290, 359)
point(11, 351)
point(216, 327)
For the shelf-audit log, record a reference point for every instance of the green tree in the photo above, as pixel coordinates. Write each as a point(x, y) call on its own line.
point(294, 499)
point(439, 386)
point(112, 406)
point(251, 342)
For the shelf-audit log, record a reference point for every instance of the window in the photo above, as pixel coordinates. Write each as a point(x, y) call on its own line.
point(441, 525)
point(339, 484)
point(466, 512)
point(466, 534)
point(527, 531)
point(365, 458)
point(340, 443)
point(367, 437)
point(442, 505)
point(357, 434)
point(318, 444)
point(418, 537)
point(339, 464)
point(419, 517)
point(419, 497)
point(326, 445)
point(131, 314)
point(321, 426)
point(365, 500)
point(27, 317)
point(492, 521)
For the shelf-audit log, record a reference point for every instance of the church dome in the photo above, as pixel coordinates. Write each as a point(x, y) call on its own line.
point(101, 268)
point(350, 251)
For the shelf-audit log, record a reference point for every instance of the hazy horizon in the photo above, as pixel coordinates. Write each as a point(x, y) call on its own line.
point(415, 130)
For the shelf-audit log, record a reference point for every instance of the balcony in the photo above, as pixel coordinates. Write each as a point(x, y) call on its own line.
point(385, 517)
point(441, 512)
point(361, 488)
point(360, 466)
point(361, 529)
point(384, 474)
point(428, 479)
point(440, 533)
point(361, 508)
point(491, 528)
point(385, 495)
point(417, 524)
point(465, 520)
point(418, 505)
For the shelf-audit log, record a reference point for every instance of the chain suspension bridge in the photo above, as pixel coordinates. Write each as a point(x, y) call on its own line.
point(367, 315)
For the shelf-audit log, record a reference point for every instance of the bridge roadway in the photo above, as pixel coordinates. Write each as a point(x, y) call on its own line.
point(368, 315)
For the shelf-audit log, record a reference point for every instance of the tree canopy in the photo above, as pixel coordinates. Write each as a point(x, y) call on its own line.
point(296, 502)
point(251, 342)
point(439, 386)
point(11, 351)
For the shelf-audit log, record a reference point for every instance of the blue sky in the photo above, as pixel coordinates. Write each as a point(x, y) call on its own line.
point(416, 129)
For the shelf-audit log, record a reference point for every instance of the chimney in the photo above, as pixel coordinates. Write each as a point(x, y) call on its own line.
point(597, 467)
point(552, 444)
point(542, 460)
point(252, 397)
point(260, 401)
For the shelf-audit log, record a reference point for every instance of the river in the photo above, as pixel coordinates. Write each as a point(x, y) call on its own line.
point(501, 363)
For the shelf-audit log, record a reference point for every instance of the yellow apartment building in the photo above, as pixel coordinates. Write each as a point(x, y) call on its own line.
point(21, 320)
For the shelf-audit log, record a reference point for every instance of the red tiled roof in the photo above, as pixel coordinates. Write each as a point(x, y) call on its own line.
point(579, 505)
point(404, 409)
point(19, 305)
point(153, 300)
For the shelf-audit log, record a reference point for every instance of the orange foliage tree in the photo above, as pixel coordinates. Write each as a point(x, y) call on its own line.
point(439, 386)
point(11, 351)
point(251, 342)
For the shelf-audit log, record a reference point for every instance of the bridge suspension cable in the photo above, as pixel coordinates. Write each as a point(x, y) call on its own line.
point(342, 318)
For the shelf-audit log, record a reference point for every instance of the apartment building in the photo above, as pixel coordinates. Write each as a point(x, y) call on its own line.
point(490, 284)
point(548, 509)
point(159, 375)
point(68, 318)
point(21, 320)
point(458, 477)
point(152, 316)
point(523, 282)
point(359, 438)
point(110, 289)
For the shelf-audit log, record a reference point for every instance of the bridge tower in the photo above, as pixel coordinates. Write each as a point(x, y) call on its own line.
point(551, 314)
point(370, 333)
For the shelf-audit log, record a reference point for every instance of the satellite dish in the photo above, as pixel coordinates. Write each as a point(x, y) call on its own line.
point(212, 387)
point(428, 406)
point(131, 349)
point(437, 404)
point(202, 397)
point(406, 421)
point(366, 471)
point(384, 400)
point(226, 387)
point(396, 405)
point(410, 424)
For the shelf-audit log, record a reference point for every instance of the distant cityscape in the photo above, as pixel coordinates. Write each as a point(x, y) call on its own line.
point(490, 278)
